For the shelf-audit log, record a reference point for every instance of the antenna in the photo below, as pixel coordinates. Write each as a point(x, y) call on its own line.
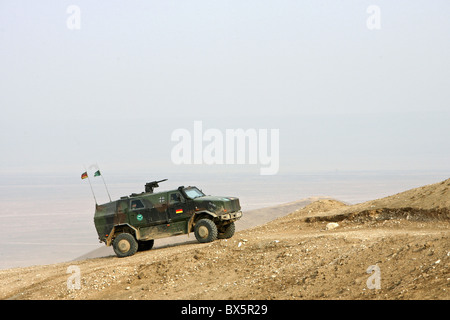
point(85, 175)
point(106, 188)
point(98, 173)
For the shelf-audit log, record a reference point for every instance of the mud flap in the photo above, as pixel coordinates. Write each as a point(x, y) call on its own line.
point(190, 224)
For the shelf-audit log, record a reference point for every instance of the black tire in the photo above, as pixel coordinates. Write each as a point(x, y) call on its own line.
point(145, 245)
point(205, 230)
point(227, 231)
point(125, 245)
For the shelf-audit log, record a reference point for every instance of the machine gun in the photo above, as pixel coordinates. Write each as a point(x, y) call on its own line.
point(149, 186)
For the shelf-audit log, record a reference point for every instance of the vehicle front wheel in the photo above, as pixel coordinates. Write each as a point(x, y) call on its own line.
point(205, 230)
point(125, 245)
point(227, 232)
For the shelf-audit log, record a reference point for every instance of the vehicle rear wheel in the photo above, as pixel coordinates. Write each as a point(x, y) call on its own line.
point(227, 232)
point(125, 245)
point(205, 230)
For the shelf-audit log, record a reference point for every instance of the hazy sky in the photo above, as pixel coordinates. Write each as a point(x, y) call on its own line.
point(342, 96)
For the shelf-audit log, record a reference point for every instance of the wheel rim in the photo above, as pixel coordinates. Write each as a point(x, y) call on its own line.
point(203, 232)
point(123, 246)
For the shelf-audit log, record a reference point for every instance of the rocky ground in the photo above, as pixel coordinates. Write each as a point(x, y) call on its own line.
point(327, 250)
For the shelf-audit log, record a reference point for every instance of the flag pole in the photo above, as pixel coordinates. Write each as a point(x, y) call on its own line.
point(101, 175)
point(106, 189)
point(90, 185)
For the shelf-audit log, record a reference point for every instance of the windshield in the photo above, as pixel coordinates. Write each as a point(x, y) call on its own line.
point(193, 193)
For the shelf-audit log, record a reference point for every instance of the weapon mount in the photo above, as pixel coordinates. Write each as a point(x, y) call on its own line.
point(149, 186)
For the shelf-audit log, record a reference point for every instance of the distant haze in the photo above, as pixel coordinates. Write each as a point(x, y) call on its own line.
point(112, 91)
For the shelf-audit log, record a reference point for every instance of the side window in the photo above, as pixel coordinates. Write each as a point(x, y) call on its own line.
point(174, 198)
point(136, 204)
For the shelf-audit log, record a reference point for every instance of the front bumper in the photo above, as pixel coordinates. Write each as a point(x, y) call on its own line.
point(231, 216)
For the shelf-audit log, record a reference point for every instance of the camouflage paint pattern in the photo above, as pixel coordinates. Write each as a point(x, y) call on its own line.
point(158, 215)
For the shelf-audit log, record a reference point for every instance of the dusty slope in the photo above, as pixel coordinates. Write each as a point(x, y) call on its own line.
point(293, 257)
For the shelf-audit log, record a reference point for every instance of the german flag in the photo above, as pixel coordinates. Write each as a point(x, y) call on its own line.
point(84, 175)
point(177, 211)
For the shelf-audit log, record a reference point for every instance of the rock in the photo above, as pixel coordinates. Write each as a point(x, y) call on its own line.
point(331, 226)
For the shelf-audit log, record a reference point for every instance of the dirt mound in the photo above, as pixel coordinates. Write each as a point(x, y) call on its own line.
point(431, 202)
point(386, 214)
point(433, 196)
point(323, 206)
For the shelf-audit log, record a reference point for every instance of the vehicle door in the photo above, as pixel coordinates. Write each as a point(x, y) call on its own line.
point(178, 209)
point(138, 213)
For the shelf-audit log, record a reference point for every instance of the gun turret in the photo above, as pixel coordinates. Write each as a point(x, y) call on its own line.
point(149, 186)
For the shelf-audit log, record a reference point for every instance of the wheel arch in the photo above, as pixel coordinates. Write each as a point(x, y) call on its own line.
point(197, 216)
point(121, 228)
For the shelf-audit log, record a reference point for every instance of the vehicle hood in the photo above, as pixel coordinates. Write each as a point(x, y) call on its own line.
point(218, 204)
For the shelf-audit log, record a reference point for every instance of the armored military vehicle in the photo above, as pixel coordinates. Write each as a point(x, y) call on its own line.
point(133, 222)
